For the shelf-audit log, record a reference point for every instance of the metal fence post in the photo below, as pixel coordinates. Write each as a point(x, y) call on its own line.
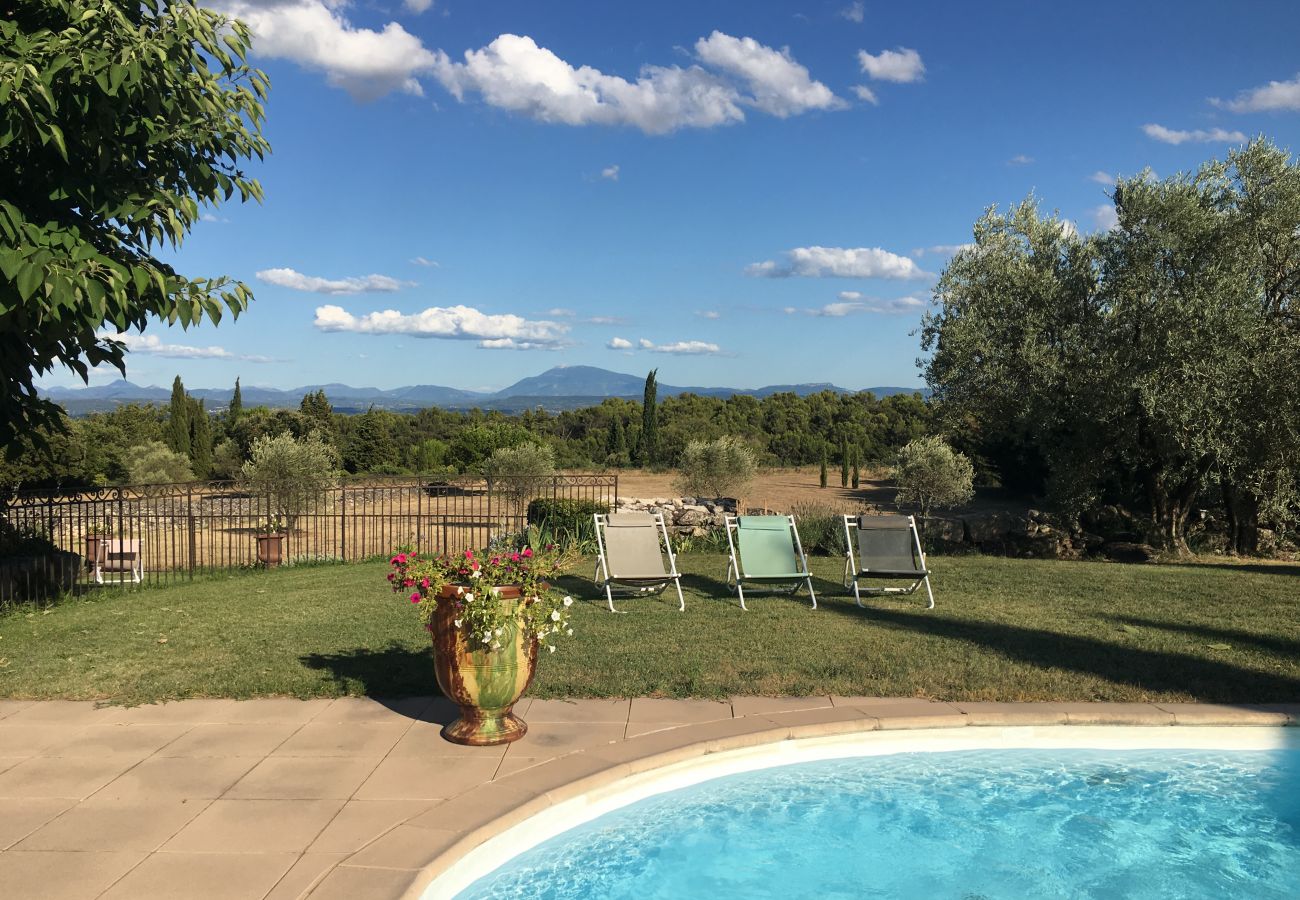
point(343, 523)
point(194, 544)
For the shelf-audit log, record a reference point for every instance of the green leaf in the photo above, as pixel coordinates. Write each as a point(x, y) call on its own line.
point(56, 135)
point(30, 278)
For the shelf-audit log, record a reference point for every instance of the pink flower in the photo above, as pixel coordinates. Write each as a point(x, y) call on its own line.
point(514, 557)
point(469, 554)
point(415, 597)
point(408, 582)
point(401, 559)
point(474, 567)
point(391, 576)
point(424, 583)
point(528, 551)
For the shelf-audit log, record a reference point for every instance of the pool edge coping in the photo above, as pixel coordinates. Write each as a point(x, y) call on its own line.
point(490, 809)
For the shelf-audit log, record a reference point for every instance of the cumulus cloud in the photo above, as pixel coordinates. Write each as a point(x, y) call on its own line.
point(838, 262)
point(778, 85)
point(428, 263)
point(609, 173)
point(1272, 97)
point(1105, 217)
point(317, 34)
point(493, 332)
point(852, 302)
point(941, 250)
point(1197, 136)
point(866, 94)
point(1102, 178)
point(903, 65)
point(153, 345)
point(515, 74)
point(1020, 159)
point(681, 348)
point(619, 343)
point(297, 281)
point(854, 12)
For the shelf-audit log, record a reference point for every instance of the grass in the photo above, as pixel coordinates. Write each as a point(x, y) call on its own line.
point(1003, 630)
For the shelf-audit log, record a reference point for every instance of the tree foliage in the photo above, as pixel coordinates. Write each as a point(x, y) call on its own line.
point(648, 446)
point(719, 468)
point(119, 121)
point(931, 475)
point(177, 431)
point(156, 463)
point(291, 472)
point(521, 472)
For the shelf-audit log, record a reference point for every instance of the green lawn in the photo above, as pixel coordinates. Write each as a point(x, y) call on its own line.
point(1003, 630)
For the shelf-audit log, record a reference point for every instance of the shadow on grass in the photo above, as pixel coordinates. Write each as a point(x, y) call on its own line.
point(1253, 568)
point(1263, 642)
point(391, 672)
point(1148, 670)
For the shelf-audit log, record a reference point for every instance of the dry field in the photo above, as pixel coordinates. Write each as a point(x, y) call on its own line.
point(776, 489)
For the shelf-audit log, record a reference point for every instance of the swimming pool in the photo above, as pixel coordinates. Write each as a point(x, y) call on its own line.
point(964, 822)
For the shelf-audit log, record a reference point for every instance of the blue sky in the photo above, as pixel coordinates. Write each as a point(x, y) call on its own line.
point(735, 193)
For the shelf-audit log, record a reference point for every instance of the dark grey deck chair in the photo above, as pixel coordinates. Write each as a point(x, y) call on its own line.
point(766, 550)
point(884, 548)
point(630, 556)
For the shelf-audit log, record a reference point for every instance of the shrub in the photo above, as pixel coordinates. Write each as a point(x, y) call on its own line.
point(720, 468)
point(523, 470)
point(226, 460)
point(291, 472)
point(821, 529)
point(930, 475)
point(565, 518)
point(156, 463)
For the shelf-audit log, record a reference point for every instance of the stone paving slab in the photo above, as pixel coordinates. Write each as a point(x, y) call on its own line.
point(283, 799)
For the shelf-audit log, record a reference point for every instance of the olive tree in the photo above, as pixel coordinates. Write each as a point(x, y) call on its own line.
point(521, 472)
point(932, 475)
point(119, 121)
point(156, 463)
point(294, 474)
point(717, 468)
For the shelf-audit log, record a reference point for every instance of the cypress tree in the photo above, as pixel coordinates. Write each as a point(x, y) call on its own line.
point(236, 404)
point(648, 450)
point(176, 432)
point(844, 463)
point(616, 441)
point(857, 478)
point(371, 448)
point(317, 409)
point(823, 472)
point(200, 440)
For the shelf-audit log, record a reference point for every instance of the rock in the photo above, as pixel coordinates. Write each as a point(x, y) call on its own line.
point(950, 531)
point(695, 515)
point(1129, 552)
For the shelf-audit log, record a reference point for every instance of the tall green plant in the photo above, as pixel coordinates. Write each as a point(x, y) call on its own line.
point(200, 440)
point(648, 447)
point(177, 430)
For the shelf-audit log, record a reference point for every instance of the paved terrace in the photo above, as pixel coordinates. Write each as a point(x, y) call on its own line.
point(280, 799)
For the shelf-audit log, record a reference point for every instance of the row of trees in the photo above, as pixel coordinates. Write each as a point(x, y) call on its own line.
point(1154, 366)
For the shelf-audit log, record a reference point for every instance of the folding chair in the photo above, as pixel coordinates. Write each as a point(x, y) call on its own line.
point(884, 547)
point(118, 555)
point(766, 550)
point(629, 555)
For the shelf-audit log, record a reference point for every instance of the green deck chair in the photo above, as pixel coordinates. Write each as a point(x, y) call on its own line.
point(884, 547)
point(629, 555)
point(766, 550)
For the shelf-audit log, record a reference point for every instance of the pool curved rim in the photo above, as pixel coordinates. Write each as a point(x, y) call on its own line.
point(499, 820)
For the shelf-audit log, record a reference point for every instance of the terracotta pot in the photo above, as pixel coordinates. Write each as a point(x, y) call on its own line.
point(485, 684)
point(92, 549)
point(270, 549)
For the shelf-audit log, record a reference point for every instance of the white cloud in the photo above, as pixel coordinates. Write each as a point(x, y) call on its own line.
point(317, 35)
point(368, 284)
point(854, 12)
point(681, 348)
point(853, 302)
point(417, 6)
point(606, 320)
point(838, 262)
point(1272, 97)
point(619, 343)
point(902, 65)
point(153, 345)
point(1105, 217)
point(866, 94)
point(494, 332)
point(515, 74)
point(1102, 178)
point(561, 312)
point(212, 217)
point(779, 85)
point(708, 314)
point(610, 173)
point(429, 263)
point(1020, 159)
point(1198, 136)
point(941, 250)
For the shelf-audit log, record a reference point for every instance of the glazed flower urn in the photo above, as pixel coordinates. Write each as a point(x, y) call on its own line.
point(485, 683)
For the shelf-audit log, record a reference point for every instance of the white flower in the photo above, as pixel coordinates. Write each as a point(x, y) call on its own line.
point(499, 631)
point(550, 648)
point(568, 601)
point(469, 598)
point(457, 623)
point(496, 592)
point(569, 632)
point(496, 646)
point(487, 639)
point(460, 591)
point(476, 574)
point(555, 615)
point(541, 634)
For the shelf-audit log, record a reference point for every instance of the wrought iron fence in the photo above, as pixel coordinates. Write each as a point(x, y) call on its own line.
point(162, 533)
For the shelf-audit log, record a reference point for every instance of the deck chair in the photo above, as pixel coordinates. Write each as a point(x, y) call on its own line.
point(766, 550)
point(630, 556)
point(886, 548)
point(117, 555)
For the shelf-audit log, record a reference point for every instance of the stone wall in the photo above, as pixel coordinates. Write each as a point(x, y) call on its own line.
point(683, 515)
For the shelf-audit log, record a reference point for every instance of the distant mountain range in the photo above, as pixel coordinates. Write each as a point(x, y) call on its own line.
point(560, 388)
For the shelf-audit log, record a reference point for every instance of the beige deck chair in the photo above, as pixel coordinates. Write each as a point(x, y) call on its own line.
point(118, 555)
point(884, 547)
point(631, 557)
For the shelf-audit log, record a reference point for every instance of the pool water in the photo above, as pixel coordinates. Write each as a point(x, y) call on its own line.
point(967, 825)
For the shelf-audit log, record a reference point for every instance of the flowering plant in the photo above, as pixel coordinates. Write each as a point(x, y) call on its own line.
point(481, 612)
point(273, 525)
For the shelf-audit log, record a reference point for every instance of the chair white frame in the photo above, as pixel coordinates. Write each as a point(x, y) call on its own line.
point(852, 573)
point(605, 579)
point(735, 576)
point(118, 555)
